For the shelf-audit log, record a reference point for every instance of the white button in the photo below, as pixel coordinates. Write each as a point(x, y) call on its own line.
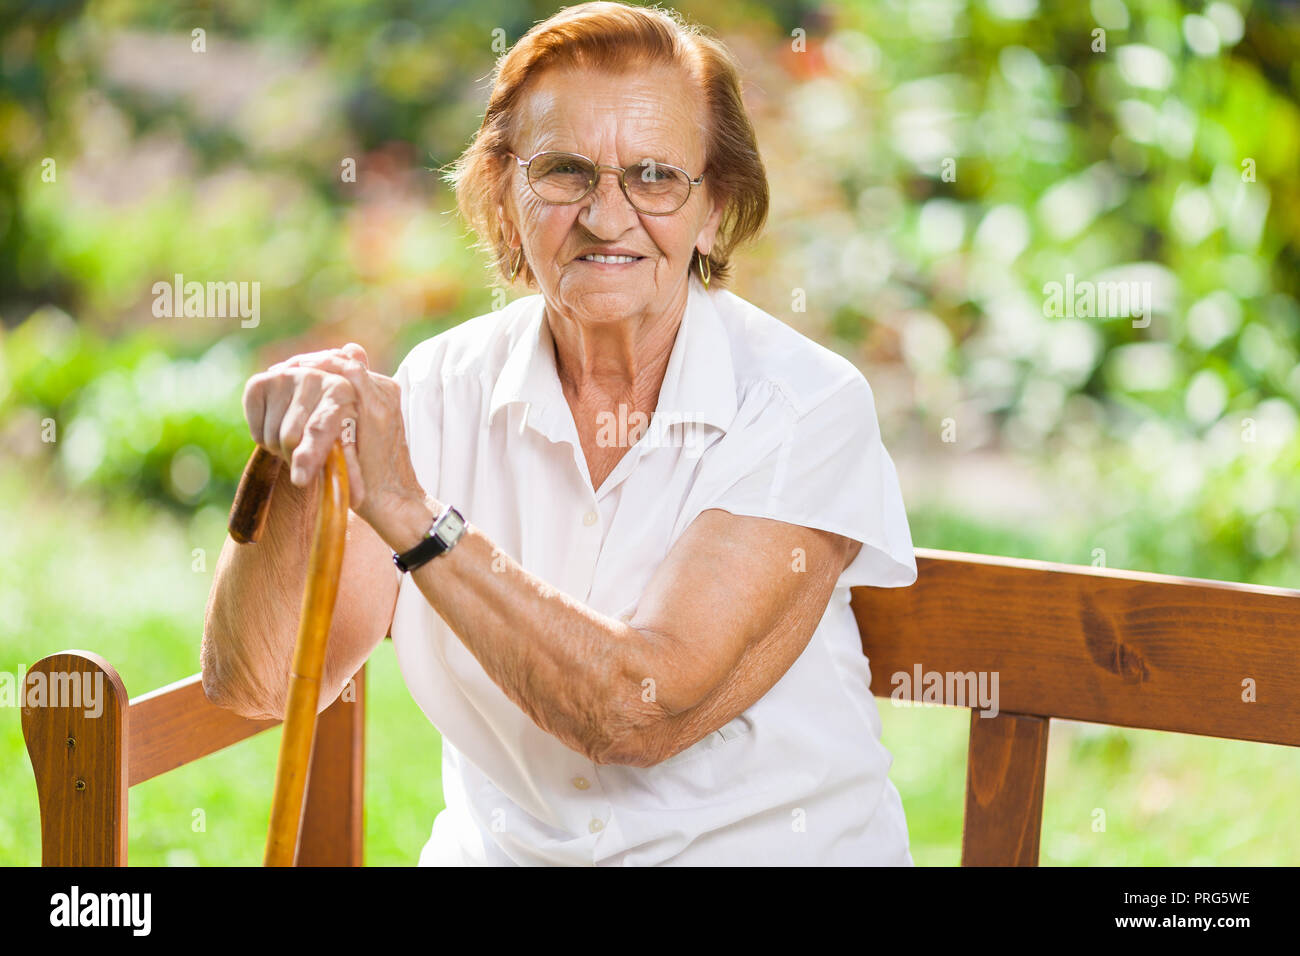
point(589, 518)
point(581, 783)
point(595, 826)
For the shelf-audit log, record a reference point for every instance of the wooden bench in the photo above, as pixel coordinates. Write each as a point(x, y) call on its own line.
point(1110, 647)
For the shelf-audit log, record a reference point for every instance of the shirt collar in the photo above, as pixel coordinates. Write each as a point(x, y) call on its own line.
point(699, 383)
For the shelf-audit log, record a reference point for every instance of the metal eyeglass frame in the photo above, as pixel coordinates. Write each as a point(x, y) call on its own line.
point(595, 179)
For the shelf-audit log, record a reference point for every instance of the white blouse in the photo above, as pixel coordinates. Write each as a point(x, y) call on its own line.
point(753, 418)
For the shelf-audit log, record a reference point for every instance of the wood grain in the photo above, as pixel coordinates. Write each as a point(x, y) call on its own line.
point(1112, 647)
point(177, 724)
point(333, 820)
point(1006, 765)
point(78, 747)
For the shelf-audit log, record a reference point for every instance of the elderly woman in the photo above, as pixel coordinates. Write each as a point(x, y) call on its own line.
point(625, 511)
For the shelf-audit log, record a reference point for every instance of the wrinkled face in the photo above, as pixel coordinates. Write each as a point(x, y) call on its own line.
point(654, 112)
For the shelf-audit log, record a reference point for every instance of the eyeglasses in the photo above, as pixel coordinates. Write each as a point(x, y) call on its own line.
point(653, 188)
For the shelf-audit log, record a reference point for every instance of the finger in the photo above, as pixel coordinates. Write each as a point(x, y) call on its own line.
point(361, 380)
point(306, 395)
point(352, 369)
point(255, 404)
point(355, 351)
point(356, 487)
point(279, 393)
point(323, 427)
point(304, 358)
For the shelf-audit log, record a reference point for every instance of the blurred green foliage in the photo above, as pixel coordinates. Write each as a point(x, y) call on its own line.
point(936, 166)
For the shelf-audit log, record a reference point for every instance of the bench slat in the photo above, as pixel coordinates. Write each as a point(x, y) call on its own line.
point(1006, 767)
point(177, 724)
point(332, 824)
point(1135, 650)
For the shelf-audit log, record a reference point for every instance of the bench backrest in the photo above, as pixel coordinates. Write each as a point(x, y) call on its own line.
point(1112, 647)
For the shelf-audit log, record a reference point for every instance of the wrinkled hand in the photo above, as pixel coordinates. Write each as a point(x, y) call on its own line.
point(298, 408)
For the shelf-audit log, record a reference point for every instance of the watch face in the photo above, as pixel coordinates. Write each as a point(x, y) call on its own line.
point(450, 528)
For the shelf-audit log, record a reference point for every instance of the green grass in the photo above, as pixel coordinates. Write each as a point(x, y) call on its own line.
point(122, 582)
point(1166, 799)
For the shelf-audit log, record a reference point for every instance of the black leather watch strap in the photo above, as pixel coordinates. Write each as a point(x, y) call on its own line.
point(432, 545)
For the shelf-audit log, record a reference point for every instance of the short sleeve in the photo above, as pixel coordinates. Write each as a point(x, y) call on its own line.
point(419, 378)
point(825, 467)
point(403, 379)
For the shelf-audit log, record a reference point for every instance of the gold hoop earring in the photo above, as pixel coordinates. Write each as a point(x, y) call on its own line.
point(706, 271)
point(519, 261)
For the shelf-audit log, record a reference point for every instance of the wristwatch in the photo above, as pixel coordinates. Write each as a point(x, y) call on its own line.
point(439, 539)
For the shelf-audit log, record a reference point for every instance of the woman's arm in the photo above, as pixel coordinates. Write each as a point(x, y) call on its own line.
point(723, 618)
point(252, 618)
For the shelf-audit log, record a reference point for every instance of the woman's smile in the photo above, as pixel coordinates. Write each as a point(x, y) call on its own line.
point(609, 262)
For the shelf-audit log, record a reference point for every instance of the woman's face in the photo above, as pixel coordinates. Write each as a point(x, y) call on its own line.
point(613, 120)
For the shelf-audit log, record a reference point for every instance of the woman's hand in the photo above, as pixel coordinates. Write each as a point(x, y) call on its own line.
point(298, 408)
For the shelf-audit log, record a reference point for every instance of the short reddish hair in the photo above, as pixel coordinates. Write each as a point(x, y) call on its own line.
point(617, 37)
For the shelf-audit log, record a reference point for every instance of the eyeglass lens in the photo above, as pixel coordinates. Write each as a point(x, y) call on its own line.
point(567, 177)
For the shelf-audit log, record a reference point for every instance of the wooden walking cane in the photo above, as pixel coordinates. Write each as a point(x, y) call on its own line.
point(247, 519)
